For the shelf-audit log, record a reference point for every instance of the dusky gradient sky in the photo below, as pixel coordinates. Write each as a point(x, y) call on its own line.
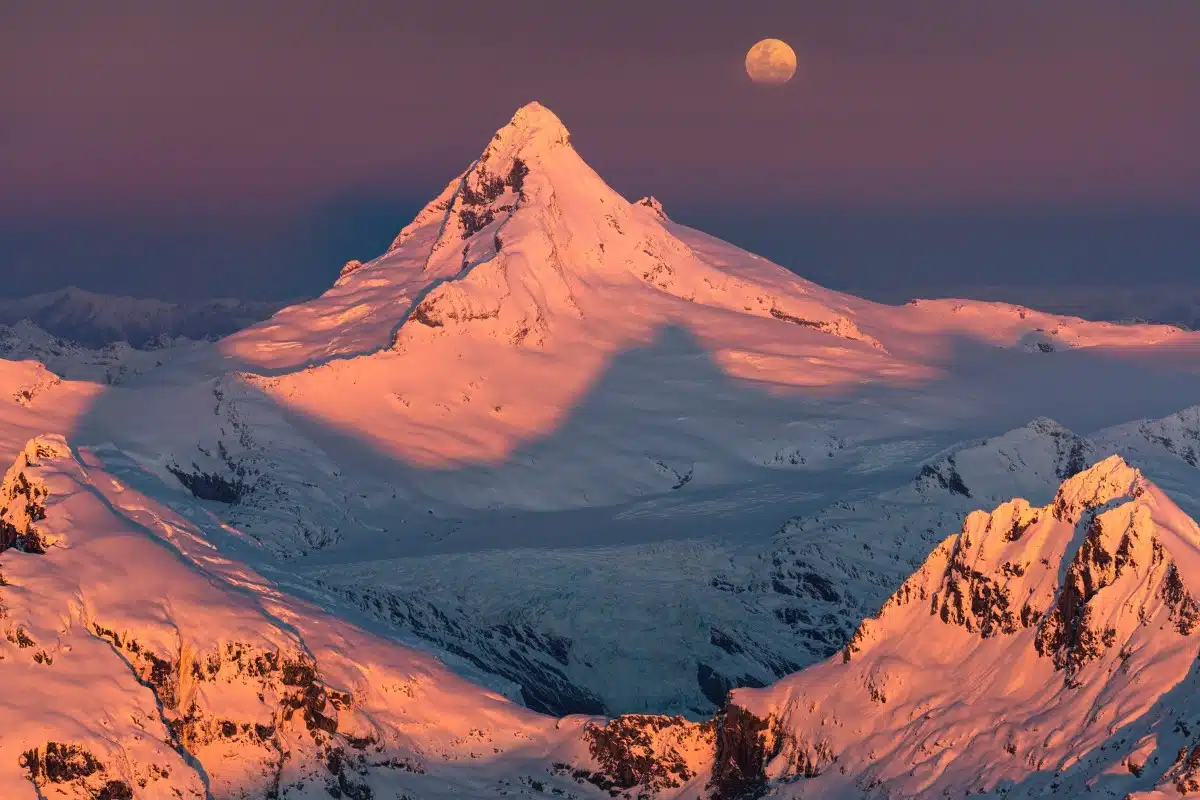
point(250, 148)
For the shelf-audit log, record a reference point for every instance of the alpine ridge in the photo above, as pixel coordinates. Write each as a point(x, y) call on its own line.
point(1039, 650)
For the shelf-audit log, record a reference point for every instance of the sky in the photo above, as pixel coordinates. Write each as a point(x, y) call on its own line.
point(250, 148)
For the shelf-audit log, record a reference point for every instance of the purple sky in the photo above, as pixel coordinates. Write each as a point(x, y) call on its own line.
point(233, 112)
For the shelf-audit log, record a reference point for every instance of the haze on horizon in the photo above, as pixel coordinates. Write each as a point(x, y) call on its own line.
point(234, 149)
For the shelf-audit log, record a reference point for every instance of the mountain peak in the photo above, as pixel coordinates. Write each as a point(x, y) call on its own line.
point(534, 128)
point(529, 233)
point(1108, 480)
point(535, 115)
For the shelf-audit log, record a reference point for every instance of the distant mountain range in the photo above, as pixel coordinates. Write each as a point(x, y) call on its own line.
point(1166, 305)
point(95, 320)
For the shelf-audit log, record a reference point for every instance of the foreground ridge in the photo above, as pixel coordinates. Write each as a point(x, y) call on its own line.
point(1039, 648)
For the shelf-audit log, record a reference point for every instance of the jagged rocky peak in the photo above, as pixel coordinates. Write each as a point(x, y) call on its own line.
point(1077, 617)
point(494, 182)
point(1029, 640)
point(520, 226)
point(1109, 480)
point(999, 575)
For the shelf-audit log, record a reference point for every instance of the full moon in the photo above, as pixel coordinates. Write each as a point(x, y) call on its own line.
point(771, 61)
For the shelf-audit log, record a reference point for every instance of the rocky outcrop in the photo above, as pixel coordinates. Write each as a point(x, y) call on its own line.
point(1121, 554)
point(994, 578)
point(655, 207)
point(292, 702)
point(725, 757)
point(648, 753)
point(57, 768)
point(211, 485)
point(744, 745)
point(349, 268)
point(23, 497)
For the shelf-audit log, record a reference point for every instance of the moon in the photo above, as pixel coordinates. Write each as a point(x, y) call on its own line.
point(771, 61)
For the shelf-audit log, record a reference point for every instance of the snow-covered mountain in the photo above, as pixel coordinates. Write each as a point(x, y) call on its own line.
point(140, 663)
point(96, 320)
point(594, 461)
point(1041, 650)
point(662, 357)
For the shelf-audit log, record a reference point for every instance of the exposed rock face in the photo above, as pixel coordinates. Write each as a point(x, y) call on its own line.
point(350, 267)
point(211, 486)
point(997, 576)
point(744, 745)
point(1121, 552)
point(651, 754)
point(57, 768)
point(655, 207)
point(296, 711)
point(725, 758)
point(22, 497)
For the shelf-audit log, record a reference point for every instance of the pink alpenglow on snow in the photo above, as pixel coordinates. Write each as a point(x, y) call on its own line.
point(559, 497)
point(529, 270)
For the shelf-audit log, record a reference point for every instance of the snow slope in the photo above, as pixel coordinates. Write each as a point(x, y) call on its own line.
point(146, 664)
point(32, 398)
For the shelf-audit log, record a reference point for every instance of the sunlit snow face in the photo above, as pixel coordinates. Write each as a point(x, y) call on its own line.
point(771, 61)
